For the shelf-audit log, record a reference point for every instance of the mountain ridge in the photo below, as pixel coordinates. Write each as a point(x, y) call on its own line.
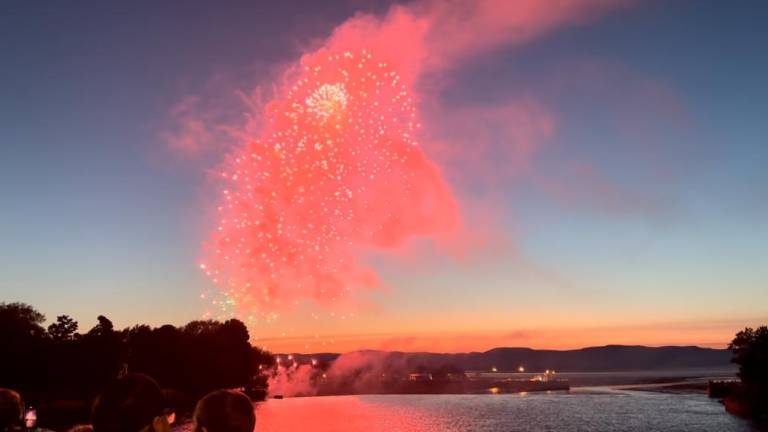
point(604, 358)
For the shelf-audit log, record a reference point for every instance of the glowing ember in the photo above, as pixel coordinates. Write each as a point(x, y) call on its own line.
point(335, 172)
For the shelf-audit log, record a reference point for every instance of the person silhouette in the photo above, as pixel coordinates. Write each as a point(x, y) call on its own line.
point(224, 411)
point(11, 410)
point(132, 403)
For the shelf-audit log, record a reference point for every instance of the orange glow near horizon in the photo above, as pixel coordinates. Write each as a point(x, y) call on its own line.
point(716, 336)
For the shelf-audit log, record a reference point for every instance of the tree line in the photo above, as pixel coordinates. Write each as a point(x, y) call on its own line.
point(57, 361)
point(750, 352)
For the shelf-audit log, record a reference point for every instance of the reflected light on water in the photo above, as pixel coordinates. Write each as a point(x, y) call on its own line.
point(320, 414)
point(586, 410)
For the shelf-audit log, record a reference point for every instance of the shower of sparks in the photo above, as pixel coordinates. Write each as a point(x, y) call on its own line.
point(335, 172)
point(326, 101)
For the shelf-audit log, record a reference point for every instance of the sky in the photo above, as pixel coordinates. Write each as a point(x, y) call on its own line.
point(608, 158)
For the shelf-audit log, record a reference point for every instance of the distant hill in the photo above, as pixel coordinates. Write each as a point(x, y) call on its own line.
point(593, 359)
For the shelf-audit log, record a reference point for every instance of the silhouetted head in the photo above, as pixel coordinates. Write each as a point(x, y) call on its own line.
point(224, 411)
point(133, 403)
point(11, 409)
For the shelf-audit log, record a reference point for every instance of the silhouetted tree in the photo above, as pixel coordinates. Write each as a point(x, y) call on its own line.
point(196, 358)
point(103, 328)
point(234, 336)
point(21, 320)
point(159, 353)
point(60, 363)
point(261, 362)
point(750, 352)
point(101, 353)
point(22, 345)
point(64, 329)
point(200, 327)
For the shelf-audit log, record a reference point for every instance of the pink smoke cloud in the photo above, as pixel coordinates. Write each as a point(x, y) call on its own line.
point(338, 163)
point(650, 119)
point(581, 185)
point(488, 144)
point(335, 171)
point(191, 134)
point(433, 35)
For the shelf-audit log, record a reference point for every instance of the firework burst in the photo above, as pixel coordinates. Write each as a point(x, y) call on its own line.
point(336, 172)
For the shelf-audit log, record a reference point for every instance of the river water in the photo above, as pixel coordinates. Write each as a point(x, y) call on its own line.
point(582, 409)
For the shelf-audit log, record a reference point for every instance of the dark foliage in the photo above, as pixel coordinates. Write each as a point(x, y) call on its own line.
point(196, 358)
point(22, 346)
point(750, 352)
point(62, 364)
point(64, 329)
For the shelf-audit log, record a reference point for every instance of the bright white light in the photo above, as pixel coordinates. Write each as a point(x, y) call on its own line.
point(327, 100)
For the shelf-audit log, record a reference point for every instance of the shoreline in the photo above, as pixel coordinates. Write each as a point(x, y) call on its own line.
point(680, 384)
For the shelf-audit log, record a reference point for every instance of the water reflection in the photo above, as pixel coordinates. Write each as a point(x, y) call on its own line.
point(590, 411)
point(344, 413)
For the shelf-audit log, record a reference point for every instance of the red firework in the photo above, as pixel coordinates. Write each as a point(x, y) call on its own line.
point(336, 172)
